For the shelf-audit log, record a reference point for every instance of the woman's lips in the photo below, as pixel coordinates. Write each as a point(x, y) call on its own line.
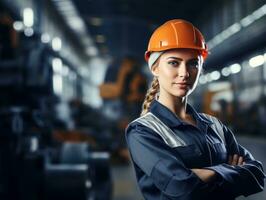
point(182, 85)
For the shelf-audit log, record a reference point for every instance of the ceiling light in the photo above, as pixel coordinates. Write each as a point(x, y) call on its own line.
point(56, 44)
point(235, 68)
point(28, 17)
point(215, 75)
point(28, 32)
point(203, 79)
point(57, 84)
point(247, 20)
point(259, 12)
point(234, 28)
point(57, 65)
point(18, 25)
point(226, 71)
point(228, 32)
point(45, 38)
point(256, 61)
point(208, 77)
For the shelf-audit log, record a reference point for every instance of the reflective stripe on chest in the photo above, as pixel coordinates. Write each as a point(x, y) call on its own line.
point(170, 138)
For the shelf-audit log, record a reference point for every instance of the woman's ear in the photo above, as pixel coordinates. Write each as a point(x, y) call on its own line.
point(155, 70)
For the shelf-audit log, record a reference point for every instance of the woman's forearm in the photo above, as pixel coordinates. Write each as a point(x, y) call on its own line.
point(205, 175)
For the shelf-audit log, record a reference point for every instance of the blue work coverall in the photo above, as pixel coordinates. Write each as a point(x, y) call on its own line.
point(164, 172)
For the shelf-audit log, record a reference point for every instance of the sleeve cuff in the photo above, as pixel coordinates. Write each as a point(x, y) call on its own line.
point(224, 172)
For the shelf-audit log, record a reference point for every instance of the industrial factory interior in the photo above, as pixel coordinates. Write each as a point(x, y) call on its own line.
point(73, 76)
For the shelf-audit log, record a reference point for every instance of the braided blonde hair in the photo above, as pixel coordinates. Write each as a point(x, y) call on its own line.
point(150, 95)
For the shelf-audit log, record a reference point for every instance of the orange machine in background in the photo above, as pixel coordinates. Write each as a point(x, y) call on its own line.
point(120, 88)
point(127, 90)
point(218, 103)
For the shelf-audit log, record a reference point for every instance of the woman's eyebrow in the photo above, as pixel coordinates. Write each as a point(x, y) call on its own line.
point(172, 57)
point(192, 59)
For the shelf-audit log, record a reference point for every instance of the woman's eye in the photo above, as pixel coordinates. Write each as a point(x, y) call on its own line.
point(173, 63)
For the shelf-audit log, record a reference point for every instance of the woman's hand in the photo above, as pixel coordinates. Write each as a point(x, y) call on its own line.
point(205, 175)
point(235, 160)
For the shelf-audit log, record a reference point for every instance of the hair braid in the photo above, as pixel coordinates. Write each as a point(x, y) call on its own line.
point(150, 95)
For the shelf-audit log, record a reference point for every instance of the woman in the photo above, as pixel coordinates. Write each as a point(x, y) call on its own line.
point(178, 153)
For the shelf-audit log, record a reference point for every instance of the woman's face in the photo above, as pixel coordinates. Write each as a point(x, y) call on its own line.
point(178, 71)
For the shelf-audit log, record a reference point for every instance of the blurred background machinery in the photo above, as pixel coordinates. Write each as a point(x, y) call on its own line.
point(72, 75)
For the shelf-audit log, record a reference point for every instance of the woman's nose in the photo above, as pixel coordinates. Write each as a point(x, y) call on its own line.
point(182, 71)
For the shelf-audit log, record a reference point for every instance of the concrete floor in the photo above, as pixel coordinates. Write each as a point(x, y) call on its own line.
point(125, 187)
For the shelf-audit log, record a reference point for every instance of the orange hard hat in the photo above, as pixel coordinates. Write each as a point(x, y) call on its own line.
point(176, 34)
